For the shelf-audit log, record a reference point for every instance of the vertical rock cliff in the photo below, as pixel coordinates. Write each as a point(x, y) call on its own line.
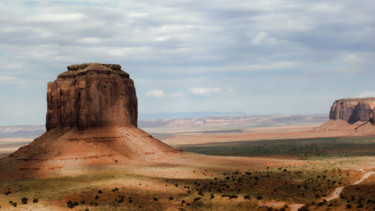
point(353, 110)
point(91, 95)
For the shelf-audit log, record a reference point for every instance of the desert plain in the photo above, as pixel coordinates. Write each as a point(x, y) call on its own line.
point(229, 164)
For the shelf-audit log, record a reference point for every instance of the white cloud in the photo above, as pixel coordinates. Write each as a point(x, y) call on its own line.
point(367, 94)
point(160, 93)
point(212, 92)
point(155, 93)
point(56, 17)
point(135, 15)
point(177, 94)
point(90, 40)
point(262, 38)
point(206, 91)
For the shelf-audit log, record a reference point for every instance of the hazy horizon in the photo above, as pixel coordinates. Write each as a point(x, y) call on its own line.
point(256, 58)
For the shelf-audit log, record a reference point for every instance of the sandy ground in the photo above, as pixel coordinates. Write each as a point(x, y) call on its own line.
point(9, 145)
point(255, 134)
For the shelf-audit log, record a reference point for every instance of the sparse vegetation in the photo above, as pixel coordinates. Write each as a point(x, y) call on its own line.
point(71, 204)
point(24, 200)
point(300, 148)
point(209, 188)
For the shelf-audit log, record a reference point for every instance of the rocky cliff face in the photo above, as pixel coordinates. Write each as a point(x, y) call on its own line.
point(91, 95)
point(353, 110)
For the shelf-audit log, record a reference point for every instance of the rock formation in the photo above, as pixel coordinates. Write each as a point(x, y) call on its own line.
point(353, 110)
point(351, 116)
point(91, 95)
point(91, 120)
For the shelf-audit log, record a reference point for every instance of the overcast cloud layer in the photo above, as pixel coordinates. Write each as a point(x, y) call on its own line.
point(259, 57)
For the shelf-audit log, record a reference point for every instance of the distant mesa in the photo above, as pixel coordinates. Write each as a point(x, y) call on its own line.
point(91, 119)
point(352, 115)
point(353, 110)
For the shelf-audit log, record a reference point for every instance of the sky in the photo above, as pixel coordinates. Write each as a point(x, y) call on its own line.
point(259, 57)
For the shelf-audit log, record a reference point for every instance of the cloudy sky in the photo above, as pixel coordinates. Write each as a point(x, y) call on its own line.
point(258, 57)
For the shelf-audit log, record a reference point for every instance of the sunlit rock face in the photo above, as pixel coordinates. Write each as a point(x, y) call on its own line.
point(92, 96)
point(353, 110)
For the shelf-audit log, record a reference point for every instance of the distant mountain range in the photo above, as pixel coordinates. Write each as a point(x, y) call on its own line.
point(179, 115)
point(178, 120)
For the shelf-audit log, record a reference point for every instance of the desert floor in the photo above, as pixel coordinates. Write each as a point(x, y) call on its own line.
point(265, 168)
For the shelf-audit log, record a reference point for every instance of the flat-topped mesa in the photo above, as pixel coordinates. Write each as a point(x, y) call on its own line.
point(90, 96)
point(353, 110)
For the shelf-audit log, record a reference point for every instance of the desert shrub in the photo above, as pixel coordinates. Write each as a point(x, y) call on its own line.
point(96, 197)
point(155, 199)
point(171, 198)
point(304, 208)
point(24, 200)
point(71, 204)
point(247, 197)
point(35, 200)
point(259, 197)
point(212, 196)
point(8, 192)
point(100, 191)
point(234, 196)
point(197, 199)
point(13, 203)
point(348, 206)
point(321, 203)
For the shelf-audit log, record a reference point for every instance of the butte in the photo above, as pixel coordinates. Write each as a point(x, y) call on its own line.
point(91, 120)
point(351, 116)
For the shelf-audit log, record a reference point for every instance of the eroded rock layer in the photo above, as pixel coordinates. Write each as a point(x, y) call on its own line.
point(91, 95)
point(353, 110)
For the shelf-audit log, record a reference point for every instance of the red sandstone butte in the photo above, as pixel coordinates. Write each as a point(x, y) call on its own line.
point(91, 95)
point(91, 120)
point(351, 116)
